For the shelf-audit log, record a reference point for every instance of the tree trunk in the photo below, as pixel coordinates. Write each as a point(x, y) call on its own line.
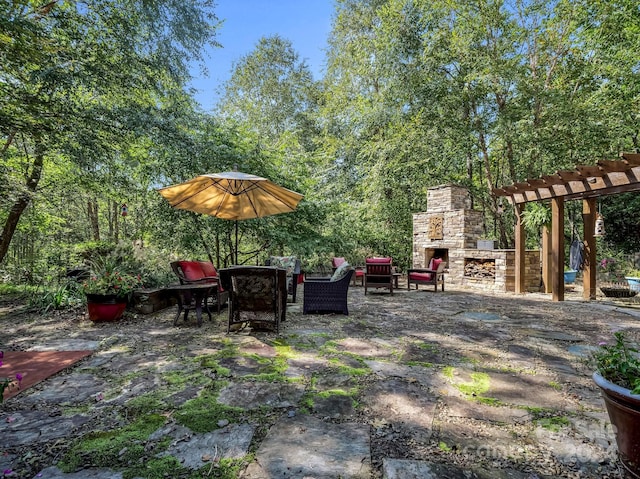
point(92, 212)
point(32, 180)
point(116, 222)
point(110, 220)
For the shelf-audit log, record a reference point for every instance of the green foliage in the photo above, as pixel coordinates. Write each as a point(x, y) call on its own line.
point(270, 92)
point(622, 215)
point(108, 277)
point(415, 95)
point(67, 294)
point(619, 362)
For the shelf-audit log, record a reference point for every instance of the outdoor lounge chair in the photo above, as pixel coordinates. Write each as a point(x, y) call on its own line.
point(327, 295)
point(433, 275)
point(378, 274)
point(257, 296)
point(201, 272)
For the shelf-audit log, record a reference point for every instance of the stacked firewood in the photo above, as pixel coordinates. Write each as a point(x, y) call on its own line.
point(480, 269)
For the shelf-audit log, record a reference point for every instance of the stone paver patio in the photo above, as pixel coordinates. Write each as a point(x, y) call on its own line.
point(459, 384)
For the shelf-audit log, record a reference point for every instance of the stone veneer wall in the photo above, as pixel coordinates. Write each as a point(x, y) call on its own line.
point(505, 265)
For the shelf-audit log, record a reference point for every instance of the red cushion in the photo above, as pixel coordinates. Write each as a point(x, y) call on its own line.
point(335, 262)
point(420, 276)
point(192, 270)
point(435, 262)
point(208, 268)
point(359, 273)
point(379, 260)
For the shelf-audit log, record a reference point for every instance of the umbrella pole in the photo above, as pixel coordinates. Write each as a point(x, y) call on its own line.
point(236, 262)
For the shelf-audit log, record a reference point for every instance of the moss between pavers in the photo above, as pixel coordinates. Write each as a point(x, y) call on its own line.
point(474, 390)
point(553, 423)
point(116, 448)
point(202, 414)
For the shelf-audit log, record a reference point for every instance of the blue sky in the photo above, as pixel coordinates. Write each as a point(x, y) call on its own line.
point(306, 23)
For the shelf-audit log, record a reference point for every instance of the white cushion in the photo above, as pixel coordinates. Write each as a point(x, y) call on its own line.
point(341, 271)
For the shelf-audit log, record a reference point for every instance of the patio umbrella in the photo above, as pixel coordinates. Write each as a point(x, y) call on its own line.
point(232, 195)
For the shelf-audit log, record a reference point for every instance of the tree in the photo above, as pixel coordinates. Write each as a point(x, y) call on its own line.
point(83, 80)
point(270, 89)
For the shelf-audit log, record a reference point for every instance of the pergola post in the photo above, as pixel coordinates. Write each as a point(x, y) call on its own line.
point(557, 249)
point(520, 250)
point(589, 271)
point(546, 259)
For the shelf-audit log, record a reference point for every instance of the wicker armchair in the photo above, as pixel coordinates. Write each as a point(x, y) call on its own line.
point(257, 296)
point(326, 296)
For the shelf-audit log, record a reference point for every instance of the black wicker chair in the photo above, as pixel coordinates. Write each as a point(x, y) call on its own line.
point(326, 296)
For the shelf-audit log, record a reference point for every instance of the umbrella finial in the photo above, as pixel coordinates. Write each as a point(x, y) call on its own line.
point(235, 167)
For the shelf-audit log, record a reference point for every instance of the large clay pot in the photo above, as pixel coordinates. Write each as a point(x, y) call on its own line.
point(624, 413)
point(105, 307)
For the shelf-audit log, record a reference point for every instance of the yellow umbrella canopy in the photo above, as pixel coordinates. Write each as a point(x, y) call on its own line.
point(232, 195)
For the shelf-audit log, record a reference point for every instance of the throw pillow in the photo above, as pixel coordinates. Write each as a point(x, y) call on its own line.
point(341, 271)
point(435, 262)
point(379, 260)
point(208, 269)
point(286, 262)
point(192, 270)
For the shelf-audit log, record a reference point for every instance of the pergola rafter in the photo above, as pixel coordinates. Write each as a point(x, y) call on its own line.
point(586, 183)
point(607, 177)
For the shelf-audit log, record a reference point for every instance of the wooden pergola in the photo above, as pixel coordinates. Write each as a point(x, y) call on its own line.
point(586, 183)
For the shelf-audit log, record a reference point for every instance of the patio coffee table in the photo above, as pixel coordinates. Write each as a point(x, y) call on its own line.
point(192, 296)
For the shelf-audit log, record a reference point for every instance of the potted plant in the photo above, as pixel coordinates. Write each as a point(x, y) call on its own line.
point(617, 373)
point(108, 289)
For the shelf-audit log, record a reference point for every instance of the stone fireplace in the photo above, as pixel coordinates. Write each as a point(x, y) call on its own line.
point(450, 229)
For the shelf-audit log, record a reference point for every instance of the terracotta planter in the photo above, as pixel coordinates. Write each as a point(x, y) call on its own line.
point(105, 307)
point(624, 413)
